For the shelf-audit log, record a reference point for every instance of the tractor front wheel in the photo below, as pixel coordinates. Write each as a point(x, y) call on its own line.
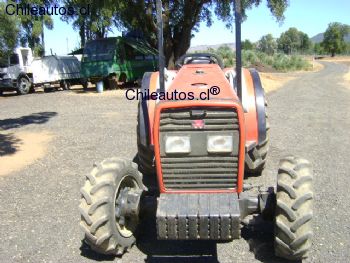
point(293, 230)
point(109, 206)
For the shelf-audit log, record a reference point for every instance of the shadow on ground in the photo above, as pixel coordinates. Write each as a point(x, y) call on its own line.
point(89, 90)
point(34, 118)
point(14, 93)
point(9, 144)
point(87, 252)
point(259, 234)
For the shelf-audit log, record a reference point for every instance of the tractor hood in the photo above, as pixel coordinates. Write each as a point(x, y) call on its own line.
point(199, 78)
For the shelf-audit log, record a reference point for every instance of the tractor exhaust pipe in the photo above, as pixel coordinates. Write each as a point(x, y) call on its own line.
point(160, 45)
point(238, 21)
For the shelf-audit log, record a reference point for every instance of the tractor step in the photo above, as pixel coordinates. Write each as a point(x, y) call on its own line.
point(198, 216)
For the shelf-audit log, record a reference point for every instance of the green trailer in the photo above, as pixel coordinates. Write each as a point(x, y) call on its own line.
point(117, 59)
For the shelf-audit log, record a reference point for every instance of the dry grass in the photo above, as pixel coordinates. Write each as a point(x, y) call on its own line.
point(341, 59)
point(316, 66)
point(274, 81)
point(337, 59)
point(31, 147)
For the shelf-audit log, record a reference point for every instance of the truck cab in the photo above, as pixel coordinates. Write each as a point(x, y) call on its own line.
point(15, 72)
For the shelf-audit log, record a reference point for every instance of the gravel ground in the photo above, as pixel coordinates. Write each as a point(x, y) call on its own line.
point(310, 117)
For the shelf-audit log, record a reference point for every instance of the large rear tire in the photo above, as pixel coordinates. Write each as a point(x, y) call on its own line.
point(103, 230)
point(255, 159)
point(145, 155)
point(293, 229)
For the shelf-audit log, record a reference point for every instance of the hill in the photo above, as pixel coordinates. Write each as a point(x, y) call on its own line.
point(205, 47)
point(319, 38)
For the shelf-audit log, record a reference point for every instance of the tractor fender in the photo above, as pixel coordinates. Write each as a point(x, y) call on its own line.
point(146, 109)
point(260, 105)
point(143, 118)
point(249, 105)
point(254, 107)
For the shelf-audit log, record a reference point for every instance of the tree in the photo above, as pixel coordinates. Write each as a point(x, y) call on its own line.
point(348, 48)
point(9, 32)
point(318, 49)
point(333, 41)
point(94, 25)
point(267, 44)
point(305, 42)
point(289, 41)
point(294, 40)
point(247, 45)
point(32, 26)
point(226, 53)
point(182, 18)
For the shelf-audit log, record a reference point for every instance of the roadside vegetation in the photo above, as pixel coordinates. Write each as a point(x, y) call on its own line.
point(290, 52)
point(262, 61)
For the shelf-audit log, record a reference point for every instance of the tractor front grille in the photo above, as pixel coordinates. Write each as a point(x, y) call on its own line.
point(199, 170)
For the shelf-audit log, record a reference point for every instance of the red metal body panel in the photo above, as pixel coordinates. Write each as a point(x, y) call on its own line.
point(188, 79)
point(251, 118)
point(188, 104)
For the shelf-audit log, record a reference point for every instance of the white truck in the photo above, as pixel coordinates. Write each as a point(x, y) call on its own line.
point(22, 72)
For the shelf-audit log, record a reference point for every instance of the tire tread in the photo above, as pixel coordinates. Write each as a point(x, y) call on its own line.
point(293, 229)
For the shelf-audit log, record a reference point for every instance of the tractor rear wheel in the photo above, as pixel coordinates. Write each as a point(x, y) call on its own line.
point(145, 158)
point(256, 158)
point(104, 206)
point(293, 229)
point(145, 155)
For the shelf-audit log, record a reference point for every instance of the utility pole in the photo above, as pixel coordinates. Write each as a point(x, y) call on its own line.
point(238, 21)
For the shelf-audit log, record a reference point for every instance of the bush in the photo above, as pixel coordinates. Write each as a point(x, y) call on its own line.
point(253, 58)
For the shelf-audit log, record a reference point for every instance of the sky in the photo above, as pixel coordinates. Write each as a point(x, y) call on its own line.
point(309, 16)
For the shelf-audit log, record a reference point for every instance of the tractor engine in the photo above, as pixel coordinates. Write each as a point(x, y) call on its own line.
point(199, 148)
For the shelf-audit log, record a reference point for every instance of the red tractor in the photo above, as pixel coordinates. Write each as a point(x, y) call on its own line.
point(198, 146)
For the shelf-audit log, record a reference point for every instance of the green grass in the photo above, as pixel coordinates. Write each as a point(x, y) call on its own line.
point(252, 58)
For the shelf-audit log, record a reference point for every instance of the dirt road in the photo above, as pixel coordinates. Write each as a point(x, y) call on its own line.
point(310, 117)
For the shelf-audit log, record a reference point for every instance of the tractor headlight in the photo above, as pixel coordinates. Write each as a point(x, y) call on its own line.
point(177, 144)
point(220, 143)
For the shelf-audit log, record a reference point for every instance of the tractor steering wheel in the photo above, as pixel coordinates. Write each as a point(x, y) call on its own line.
point(199, 58)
